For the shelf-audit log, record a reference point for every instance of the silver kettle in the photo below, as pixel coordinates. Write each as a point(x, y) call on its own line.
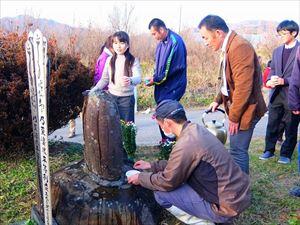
point(216, 128)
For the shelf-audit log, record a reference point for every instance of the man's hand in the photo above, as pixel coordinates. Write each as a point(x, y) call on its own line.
point(279, 81)
point(296, 112)
point(275, 81)
point(233, 127)
point(142, 165)
point(213, 106)
point(149, 81)
point(270, 83)
point(134, 179)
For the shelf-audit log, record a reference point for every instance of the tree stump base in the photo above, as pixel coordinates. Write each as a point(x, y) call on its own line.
point(81, 198)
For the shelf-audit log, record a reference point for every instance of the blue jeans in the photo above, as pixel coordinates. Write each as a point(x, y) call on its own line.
point(239, 145)
point(188, 200)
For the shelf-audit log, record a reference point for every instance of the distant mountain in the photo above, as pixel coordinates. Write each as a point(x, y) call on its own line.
point(255, 26)
point(22, 22)
point(256, 31)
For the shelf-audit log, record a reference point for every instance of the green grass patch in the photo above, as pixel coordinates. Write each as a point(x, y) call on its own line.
point(271, 203)
point(18, 183)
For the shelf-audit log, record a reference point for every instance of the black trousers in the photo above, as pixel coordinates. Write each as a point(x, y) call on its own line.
point(125, 106)
point(277, 115)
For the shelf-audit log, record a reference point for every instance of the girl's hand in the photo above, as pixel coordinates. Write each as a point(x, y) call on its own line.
point(126, 81)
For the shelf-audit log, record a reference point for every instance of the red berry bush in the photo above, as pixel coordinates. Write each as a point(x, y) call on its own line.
point(68, 79)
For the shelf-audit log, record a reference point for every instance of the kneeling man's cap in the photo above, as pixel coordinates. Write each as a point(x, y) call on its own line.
point(167, 109)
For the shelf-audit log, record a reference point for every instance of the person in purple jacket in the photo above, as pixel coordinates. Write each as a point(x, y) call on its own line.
point(169, 78)
point(105, 51)
point(294, 105)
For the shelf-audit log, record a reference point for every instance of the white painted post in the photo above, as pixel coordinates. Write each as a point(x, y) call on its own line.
point(36, 55)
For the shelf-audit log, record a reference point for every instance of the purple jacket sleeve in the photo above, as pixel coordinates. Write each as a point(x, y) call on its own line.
point(294, 87)
point(100, 66)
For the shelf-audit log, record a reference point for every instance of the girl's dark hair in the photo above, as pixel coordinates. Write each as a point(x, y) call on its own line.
point(107, 44)
point(288, 25)
point(122, 37)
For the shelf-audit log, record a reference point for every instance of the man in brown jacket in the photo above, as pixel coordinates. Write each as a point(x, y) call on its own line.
point(200, 183)
point(240, 92)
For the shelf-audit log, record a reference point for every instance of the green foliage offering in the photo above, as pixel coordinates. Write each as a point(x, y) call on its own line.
point(128, 136)
point(165, 149)
point(294, 220)
point(30, 222)
point(68, 78)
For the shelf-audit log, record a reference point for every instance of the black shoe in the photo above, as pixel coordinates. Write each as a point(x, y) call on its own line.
point(295, 191)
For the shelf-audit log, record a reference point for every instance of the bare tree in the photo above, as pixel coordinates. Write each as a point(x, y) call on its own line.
point(179, 29)
point(121, 18)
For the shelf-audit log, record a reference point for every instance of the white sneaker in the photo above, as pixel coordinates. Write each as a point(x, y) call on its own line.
point(71, 135)
point(187, 218)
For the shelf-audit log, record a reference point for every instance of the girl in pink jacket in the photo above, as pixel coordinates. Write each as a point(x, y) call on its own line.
point(105, 51)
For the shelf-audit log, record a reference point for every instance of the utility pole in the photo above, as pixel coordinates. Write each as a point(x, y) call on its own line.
point(179, 28)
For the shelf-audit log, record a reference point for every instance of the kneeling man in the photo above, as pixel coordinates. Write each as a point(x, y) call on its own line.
point(200, 183)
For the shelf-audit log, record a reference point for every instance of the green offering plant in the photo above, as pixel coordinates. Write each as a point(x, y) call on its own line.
point(129, 135)
point(165, 149)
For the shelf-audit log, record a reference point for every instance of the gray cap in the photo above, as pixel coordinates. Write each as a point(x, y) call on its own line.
point(167, 109)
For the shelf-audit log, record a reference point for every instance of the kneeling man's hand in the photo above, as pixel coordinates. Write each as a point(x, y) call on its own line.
point(134, 179)
point(142, 165)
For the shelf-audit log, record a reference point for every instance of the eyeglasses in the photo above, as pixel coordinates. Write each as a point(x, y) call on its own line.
point(283, 33)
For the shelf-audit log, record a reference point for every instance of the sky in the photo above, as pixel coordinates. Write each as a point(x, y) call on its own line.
point(82, 13)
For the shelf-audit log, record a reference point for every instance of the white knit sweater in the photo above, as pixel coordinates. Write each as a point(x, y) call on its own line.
point(117, 88)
